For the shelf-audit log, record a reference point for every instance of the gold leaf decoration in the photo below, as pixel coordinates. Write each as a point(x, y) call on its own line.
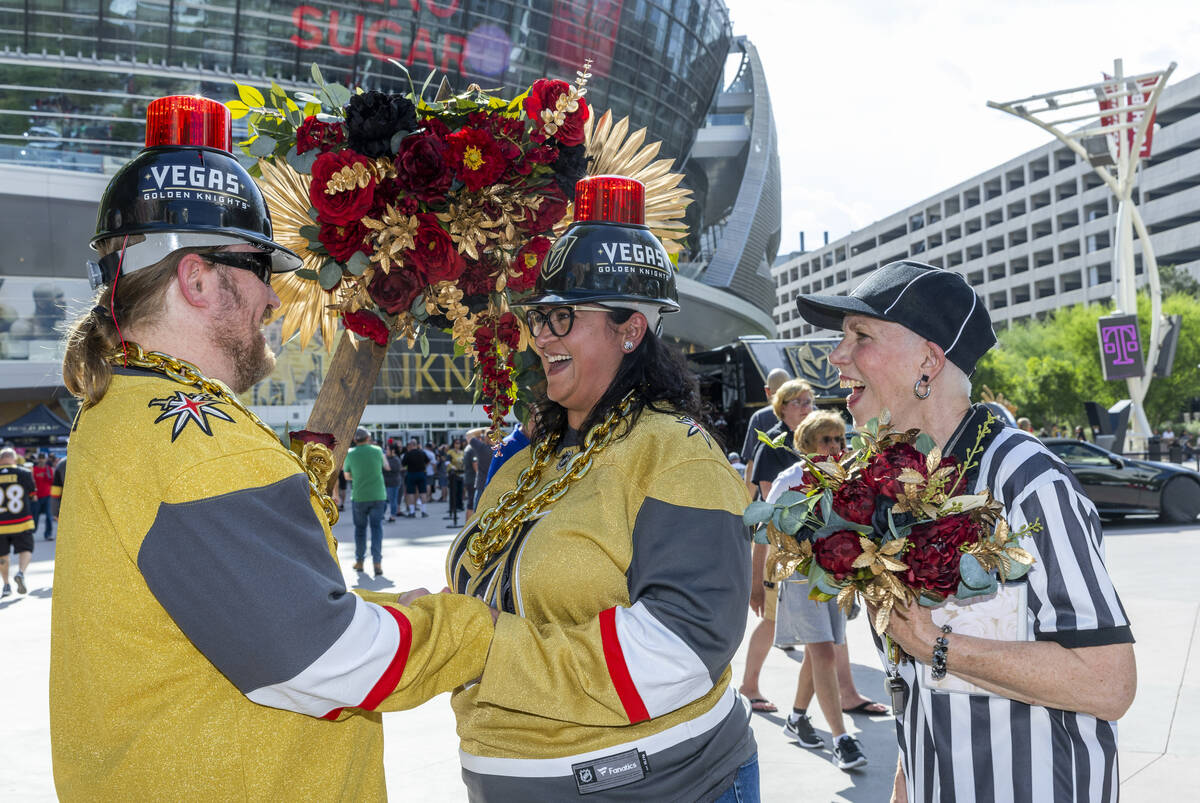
point(612, 150)
point(302, 301)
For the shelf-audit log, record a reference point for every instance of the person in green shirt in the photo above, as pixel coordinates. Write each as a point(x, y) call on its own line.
point(368, 498)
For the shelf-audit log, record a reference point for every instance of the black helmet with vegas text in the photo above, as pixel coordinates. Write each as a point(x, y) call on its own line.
point(608, 255)
point(184, 190)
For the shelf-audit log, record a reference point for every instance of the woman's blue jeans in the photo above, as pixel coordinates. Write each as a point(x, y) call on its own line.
point(745, 784)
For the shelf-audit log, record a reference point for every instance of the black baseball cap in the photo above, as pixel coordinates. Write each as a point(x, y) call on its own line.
point(937, 304)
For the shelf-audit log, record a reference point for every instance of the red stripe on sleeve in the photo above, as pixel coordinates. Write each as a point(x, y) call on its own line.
point(614, 656)
point(391, 676)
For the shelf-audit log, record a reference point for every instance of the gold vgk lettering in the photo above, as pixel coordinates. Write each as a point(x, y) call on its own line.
point(457, 372)
point(422, 371)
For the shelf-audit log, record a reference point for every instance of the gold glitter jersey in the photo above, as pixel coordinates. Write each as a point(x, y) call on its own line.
point(622, 605)
point(203, 643)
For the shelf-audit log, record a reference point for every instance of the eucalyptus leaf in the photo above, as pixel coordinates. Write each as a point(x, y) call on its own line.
point(927, 601)
point(307, 273)
point(397, 138)
point(330, 275)
point(418, 307)
point(789, 498)
point(972, 572)
point(924, 444)
point(826, 504)
point(340, 94)
point(424, 341)
point(312, 213)
point(262, 146)
point(310, 233)
point(835, 523)
point(894, 531)
point(757, 513)
point(826, 585)
point(790, 521)
point(302, 163)
point(966, 592)
point(1016, 570)
point(357, 263)
point(318, 79)
point(759, 536)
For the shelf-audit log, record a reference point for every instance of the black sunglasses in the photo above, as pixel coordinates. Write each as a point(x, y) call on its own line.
point(257, 262)
point(559, 319)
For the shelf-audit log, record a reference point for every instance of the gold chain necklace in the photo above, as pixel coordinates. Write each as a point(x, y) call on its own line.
point(497, 524)
point(188, 374)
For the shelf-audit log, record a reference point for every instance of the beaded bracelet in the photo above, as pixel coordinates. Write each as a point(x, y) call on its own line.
point(940, 645)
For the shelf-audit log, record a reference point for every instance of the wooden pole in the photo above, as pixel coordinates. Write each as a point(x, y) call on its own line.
point(343, 397)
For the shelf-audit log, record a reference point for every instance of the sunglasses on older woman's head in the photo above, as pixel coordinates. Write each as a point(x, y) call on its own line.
point(257, 262)
point(559, 319)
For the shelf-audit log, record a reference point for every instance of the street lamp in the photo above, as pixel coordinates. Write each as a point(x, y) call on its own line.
point(1117, 133)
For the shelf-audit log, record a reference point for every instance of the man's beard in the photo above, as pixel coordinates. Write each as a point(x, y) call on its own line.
point(242, 342)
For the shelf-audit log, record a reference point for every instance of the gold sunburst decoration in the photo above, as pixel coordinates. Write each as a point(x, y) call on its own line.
point(613, 151)
point(303, 303)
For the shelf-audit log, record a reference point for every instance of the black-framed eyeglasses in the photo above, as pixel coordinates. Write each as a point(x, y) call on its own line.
point(559, 319)
point(257, 262)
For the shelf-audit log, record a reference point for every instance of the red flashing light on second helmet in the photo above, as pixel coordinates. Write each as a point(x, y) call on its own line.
point(612, 199)
point(190, 121)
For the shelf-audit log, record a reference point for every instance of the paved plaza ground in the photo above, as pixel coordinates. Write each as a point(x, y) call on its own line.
point(1153, 566)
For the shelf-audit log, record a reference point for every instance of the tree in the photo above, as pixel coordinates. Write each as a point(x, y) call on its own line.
point(1050, 368)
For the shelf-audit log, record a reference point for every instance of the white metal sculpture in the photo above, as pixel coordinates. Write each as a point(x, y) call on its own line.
point(1116, 134)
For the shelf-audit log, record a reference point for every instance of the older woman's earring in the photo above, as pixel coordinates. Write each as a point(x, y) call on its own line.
point(627, 345)
point(924, 380)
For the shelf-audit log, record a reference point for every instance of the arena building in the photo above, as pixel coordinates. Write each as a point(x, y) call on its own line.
point(1031, 235)
point(78, 75)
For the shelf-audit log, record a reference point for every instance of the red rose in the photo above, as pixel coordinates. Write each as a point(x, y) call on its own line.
point(934, 567)
point(312, 133)
point(343, 242)
point(508, 331)
point(836, 553)
point(395, 290)
point(307, 436)
point(421, 167)
point(476, 278)
point(475, 158)
point(340, 207)
point(881, 472)
point(529, 264)
point(433, 254)
point(934, 556)
point(854, 501)
point(368, 324)
point(543, 96)
point(551, 210)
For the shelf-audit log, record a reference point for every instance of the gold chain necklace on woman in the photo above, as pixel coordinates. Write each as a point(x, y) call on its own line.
point(317, 462)
point(497, 524)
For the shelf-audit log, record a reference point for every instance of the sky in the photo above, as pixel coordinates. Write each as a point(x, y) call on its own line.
point(879, 105)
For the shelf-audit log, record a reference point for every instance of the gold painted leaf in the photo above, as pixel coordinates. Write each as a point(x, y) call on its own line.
point(933, 459)
point(894, 547)
point(1020, 555)
point(863, 561)
point(883, 616)
point(892, 564)
point(911, 476)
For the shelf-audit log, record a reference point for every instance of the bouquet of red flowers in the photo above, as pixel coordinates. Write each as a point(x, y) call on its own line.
point(411, 213)
point(890, 521)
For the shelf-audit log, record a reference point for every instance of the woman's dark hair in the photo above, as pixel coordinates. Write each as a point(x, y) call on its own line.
point(655, 370)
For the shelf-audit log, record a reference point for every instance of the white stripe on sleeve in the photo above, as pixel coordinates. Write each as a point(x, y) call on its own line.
point(345, 673)
point(666, 671)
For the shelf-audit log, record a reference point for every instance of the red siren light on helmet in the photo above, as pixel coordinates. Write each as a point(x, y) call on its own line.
point(610, 199)
point(188, 121)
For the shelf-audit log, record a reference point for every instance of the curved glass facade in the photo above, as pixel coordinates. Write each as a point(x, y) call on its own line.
point(78, 73)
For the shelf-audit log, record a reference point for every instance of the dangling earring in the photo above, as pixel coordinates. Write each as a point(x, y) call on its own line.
point(917, 387)
point(627, 345)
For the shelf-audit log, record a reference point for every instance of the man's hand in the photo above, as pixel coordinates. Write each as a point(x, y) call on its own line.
point(409, 597)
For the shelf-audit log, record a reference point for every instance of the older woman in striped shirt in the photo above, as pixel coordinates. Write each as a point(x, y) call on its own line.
point(1033, 719)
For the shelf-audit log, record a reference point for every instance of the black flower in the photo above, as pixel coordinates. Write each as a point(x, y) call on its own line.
point(569, 167)
point(374, 118)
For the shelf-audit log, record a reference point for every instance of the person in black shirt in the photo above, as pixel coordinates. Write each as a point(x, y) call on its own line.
point(415, 483)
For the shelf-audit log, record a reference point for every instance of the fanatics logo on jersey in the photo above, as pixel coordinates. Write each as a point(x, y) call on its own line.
point(185, 407)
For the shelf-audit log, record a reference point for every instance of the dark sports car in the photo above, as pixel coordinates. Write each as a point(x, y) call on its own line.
point(1120, 485)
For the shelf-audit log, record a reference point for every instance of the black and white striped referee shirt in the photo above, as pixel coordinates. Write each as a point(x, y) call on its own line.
point(964, 747)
